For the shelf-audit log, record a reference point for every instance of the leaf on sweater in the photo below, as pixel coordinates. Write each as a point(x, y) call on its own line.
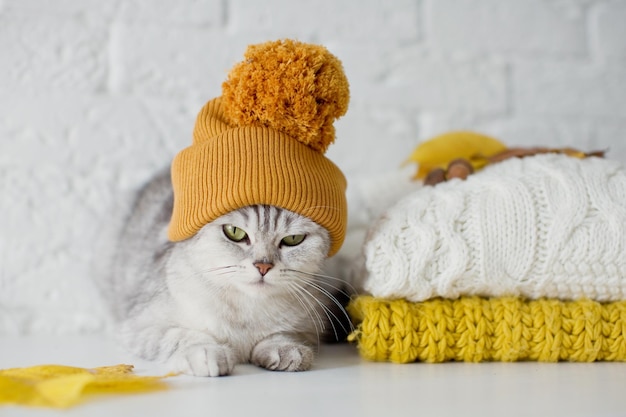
point(439, 151)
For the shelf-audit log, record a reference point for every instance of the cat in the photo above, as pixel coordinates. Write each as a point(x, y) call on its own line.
point(246, 288)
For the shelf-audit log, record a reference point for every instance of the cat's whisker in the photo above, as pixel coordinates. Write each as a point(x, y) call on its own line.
point(220, 267)
point(226, 272)
point(298, 297)
point(332, 298)
point(338, 304)
point(305, 297)
point(332, 287)
point(327, 311)
point(228, 268)
point(318, 275)
point(319, 284)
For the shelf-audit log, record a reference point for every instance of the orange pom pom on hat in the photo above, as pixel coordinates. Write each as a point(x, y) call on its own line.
point(263, 142)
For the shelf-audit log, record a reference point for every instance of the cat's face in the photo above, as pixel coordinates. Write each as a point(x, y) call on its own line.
point(259, 250)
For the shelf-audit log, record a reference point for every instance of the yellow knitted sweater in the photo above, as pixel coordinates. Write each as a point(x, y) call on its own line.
point(478, 329)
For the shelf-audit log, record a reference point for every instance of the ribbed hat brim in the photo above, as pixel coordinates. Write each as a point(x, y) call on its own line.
point(255, 165)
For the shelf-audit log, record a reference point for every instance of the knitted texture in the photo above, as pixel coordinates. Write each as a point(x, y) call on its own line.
point(293, 87)
point(263, 142)
point(545, 226)
point(475, 329)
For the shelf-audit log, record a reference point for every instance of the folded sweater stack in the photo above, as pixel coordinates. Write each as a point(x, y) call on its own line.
point(525, 260)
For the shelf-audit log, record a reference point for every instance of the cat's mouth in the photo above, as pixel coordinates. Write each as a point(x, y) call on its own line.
point(261, 281)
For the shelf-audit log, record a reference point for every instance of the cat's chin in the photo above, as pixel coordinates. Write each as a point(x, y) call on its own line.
point(260, 287)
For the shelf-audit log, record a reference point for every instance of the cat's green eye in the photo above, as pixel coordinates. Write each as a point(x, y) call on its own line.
point(234, 233)
point(292, 240)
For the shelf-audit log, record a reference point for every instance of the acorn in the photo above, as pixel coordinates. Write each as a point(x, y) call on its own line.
point(459, 168)
point(435, 176)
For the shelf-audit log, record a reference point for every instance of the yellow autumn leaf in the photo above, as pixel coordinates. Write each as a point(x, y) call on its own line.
point(437, 152)
point(61, 386)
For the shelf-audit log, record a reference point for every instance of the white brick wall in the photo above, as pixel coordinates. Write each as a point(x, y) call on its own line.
point(533, 28)
point(96, 95)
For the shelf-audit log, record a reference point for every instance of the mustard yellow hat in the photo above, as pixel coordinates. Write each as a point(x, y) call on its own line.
point(263, 142)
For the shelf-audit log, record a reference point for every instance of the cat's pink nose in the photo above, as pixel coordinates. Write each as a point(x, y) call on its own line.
point(263, 267)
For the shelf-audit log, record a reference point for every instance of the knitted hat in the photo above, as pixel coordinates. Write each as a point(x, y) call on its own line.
point(263, 142)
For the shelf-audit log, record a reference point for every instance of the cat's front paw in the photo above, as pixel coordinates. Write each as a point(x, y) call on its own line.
point(283, 356)
point(204, 360)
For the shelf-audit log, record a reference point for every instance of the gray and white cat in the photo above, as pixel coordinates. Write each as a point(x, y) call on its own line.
point(246, 288)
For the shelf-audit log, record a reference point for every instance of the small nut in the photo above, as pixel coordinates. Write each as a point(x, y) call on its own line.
point(435, 176)
point(459, 168)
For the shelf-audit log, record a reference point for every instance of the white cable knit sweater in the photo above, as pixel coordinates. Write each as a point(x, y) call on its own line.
point(544, 226)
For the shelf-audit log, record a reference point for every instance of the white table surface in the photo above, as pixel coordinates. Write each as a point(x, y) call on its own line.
point(340, 384)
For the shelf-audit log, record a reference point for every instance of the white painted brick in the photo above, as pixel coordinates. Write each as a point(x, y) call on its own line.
point(327, 20)
point(101, 9)
point(569, 89)
point(47, 264)
point(43, 53)
point(414, 78)
point(428, 82)
point(608, 29)
point(67, 165)
point(176, 63)
point(86, 133)
point(611, 137)
point(514, 130)
point(496, 26)
point(551, 132)
point(166, 12)
point(365, 65)
point(435, 123)
point(195, 12)
point(383, 137)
